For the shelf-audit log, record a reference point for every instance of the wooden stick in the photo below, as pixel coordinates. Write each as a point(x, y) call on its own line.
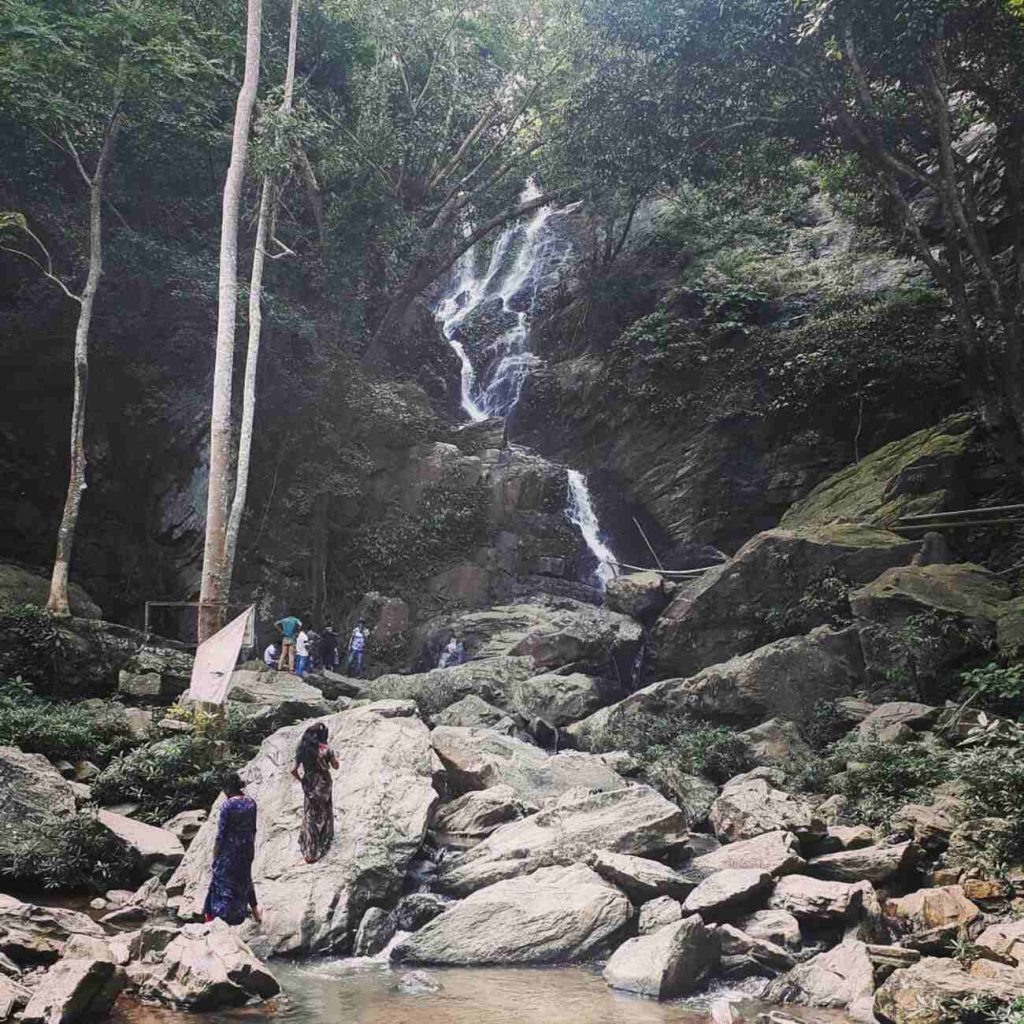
point(650, 547)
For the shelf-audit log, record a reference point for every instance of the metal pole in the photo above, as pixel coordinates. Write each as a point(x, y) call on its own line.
point(650, 547)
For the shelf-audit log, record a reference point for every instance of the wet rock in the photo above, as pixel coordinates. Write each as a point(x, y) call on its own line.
point(419, 908)
point(554, 915)
point(558, 699)
point(811, 899)
point(723, 614)
point(634, 820)
point(472, 712)
point(31, 790)
point(205, 967)
point(418, 983)
point(725, 894)
point(185, 826)
point(376, 930)
point(872, 863)
point(31, 935)
point(899, 712)
point(778, 741)
point(639, 878)
point(157, 848)
point(480, 758)
point(478, 813)
point(778, 927)
point(750, 806)
point(640, 595)
point(923, 993)
point(75, 990)
point(930, 918)
point(667, 963)
point(841, 978)
point(657, 913)
point(743, 954)
point(777, 852)
point(383, 794)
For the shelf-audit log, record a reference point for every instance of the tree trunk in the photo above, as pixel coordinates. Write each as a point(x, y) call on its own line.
point(212, 597)
point(57, 600)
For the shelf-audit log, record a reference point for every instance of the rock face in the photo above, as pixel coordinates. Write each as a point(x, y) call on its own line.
point(841, 978)
point(778, 853)
point(639, 878)
point(635, 821)
point(75, 990)
point(555, 915)
point(667, 963)
point(921, 994)
point(32, 935)
point(31, 790)
point(479, 758)
point(725, 612)
point(556, 699)
point(749, 806)
point(204, 967)
point(784, 679)
point(383, 794)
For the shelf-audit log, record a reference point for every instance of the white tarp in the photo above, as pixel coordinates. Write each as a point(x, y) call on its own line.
point(216, 659)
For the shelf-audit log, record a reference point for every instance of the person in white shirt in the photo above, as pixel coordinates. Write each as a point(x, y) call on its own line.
point(302, 653)
point(270, 656)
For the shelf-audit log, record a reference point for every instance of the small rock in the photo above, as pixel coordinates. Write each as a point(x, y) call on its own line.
point(843, 837)
point(119, 897)
point(931, 825)
point(971, 842)
point(88, 947)
point(156, 847)
point(99, 904)
point(778, 927)
point(376, 930)
point(75, 990)
point(750, 805)
point(841, 978)
point(418, 983)
point(721, 895)
point(930, 918)
point(886, 959)
point(478, 813)
point(833, 809)
point(1005, 938)
point(124, 916)
point(657, 913)
point(86, 771)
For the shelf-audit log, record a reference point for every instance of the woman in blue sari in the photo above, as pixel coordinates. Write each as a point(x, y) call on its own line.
point(231, 895)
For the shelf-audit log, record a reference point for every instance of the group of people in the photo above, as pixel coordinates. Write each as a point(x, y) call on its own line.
point(301, 650)
point(232, 895)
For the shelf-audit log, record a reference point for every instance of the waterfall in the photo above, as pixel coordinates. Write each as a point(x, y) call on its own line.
point(526, 261)
point(580, 511)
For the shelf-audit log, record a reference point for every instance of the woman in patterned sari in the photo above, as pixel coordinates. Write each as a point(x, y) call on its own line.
point(316, 760)
point(231, 895)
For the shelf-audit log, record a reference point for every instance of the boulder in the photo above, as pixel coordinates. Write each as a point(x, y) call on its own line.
point(1005, 938)
point(871, 863)
point(151, 896)
point(930, 918)
point(778, 853)
point(783, 679)
point(931, 825)
point(724, 895)
point(895, 713)
point(778, 741)
point(31, 791)
point(639, 878)
point(75, 990)
point(472, 712)
point(750, 806)
point(640, 595)
point(950, 612)
point(923, 993)
point(811, 899)
point(157, 848)
point(185, 826)
point(558, 699)
point(13, 997)
point(31, 935)
point(555, 915)
point(157, 674)
point(480, 758)
point(730, 608)
point(267, 687)
point(779, 927)
point(971, 842)
point(634, 820)
point(744, 954)
point(694, 794)
point(88, 947)
point(20, 586)
point(657, 913)
point(204, 967)
point(667, 963)
point(488, 679)
point(376, 930)
point(418, 908)
point(841, 978)
point(383, 795)
point(477, 814)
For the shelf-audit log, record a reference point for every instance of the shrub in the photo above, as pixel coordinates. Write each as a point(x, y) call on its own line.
point(984, 1010)
point(993, 781)
point(995, 687)
point(59, 731)
point(70, 853)
point(827, 725)
point(170, 776)
point(33, 646)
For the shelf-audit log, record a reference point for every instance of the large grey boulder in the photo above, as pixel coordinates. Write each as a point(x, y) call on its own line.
point(155, 673)
point(640, 878)
point(478, 813)
point(416, 909)
point(744, 954)
point(640, 595)
point(269, 688)
point(778, 741)
point(489, 679)
point(31, 935)
point(783, 679)
point(777, 852)
point(657, 913)
point(22, 586)
point(156, 847)
point(75, 991)
point(727, 894)
point(376, 930)
point(779, 927)
point(480, 758)
point(383, 799)
point(869, 863)
point(186, 825)
point(634, 820)
point(667, 963)
point(910, 713)
point(555, 915)
point(558, 699)
point(474, 712)
point(725, 613)
point(751, 805)
point(841, 978)
point(204, 967)
point(814, 900)
point(31, 790)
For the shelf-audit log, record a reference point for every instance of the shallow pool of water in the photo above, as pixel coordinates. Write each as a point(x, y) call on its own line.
point(371, 992)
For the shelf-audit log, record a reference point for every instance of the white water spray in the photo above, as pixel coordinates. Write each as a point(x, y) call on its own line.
point(581, 512)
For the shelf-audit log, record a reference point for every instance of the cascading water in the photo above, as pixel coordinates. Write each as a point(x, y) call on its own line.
point(485, 316)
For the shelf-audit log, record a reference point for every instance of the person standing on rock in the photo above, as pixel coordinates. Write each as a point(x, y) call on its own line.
point(289, 627)
point(329, 646)
point(316, 760)
point(302, 648)
point(231, 895)
point(357, 649)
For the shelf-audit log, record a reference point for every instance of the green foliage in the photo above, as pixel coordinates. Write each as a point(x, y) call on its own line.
point(170, 776)
point(993, 781)
point(993, 684)
point(827, 725)
point(70, 732)
point(70, 854)
point(33, 645)
point(984, 1010)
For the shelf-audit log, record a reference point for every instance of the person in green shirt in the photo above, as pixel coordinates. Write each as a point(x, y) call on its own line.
point(289, 627)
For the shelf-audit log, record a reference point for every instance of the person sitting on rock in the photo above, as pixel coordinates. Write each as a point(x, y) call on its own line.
point(289, 627)
point(316, 760)
point(450, 654)
point(357, 649)
point(271, 655)
point(231, 895)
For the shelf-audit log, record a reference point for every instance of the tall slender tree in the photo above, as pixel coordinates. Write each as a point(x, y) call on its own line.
point(213, 594)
